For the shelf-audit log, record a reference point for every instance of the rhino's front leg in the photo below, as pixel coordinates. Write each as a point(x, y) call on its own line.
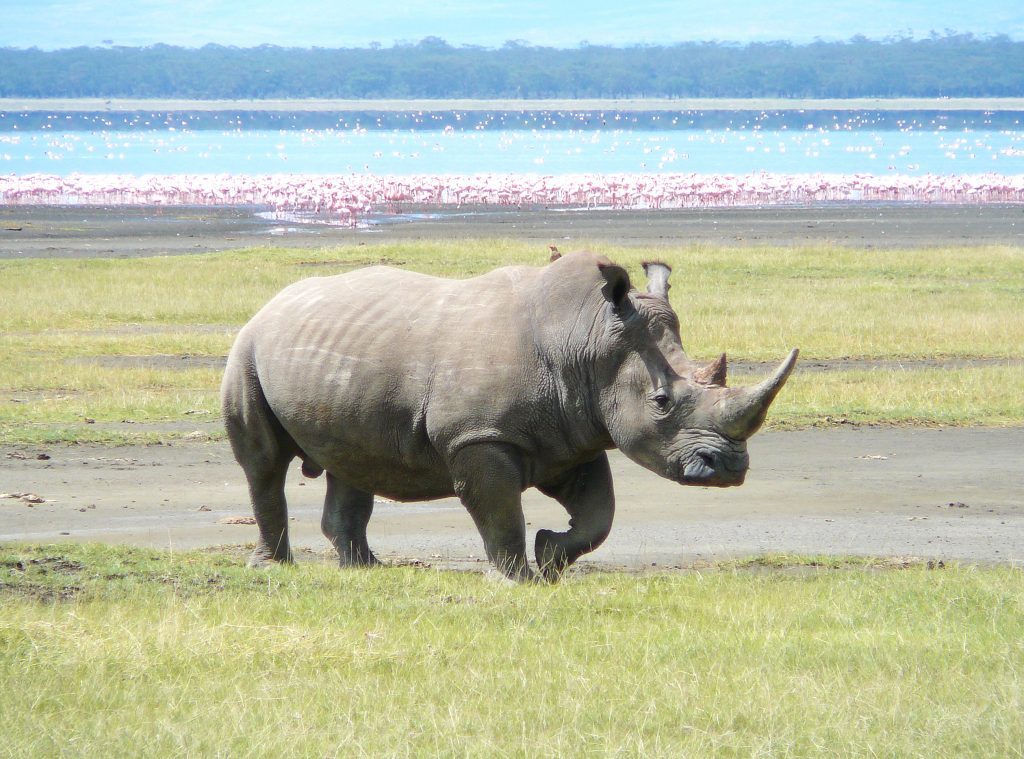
point(586, 493)
point(346, 514)
point(488, 479)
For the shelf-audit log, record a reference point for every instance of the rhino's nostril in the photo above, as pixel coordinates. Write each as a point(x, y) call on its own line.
point(710, 468)
point(700, 468)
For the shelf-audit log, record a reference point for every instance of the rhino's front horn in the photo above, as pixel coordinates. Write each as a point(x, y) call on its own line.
point(743, 412)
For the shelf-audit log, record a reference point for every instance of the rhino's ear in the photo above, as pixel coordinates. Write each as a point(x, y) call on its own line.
point(616, 283)
point(657, 278)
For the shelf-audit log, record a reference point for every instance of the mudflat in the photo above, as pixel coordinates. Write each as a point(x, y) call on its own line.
point(943, 494)
point(126, 232)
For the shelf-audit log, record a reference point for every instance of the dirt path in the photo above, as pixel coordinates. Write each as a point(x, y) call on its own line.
point(950, 494)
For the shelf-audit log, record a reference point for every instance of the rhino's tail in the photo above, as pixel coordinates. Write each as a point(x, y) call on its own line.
point(253, 429)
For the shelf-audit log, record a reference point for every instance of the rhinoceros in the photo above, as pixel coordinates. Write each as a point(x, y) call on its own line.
point(414, 387)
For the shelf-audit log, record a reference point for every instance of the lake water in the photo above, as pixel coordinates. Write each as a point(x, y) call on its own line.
point(906, 146)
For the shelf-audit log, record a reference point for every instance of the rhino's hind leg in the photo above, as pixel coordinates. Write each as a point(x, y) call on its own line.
point(264, 450)
point(265, 458)
point(266, 489)
point(346, 514)
point(586, 493)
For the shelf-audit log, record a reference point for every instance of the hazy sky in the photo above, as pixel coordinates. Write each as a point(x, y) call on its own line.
point(51, 24)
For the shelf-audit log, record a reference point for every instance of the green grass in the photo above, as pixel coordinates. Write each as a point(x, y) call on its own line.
point(978, 396)
point(753, 303)
point(125, 652)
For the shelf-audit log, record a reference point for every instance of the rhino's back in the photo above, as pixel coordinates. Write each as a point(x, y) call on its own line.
point(382, 319)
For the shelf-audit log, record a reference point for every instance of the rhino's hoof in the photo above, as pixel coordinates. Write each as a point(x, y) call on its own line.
point(551, 555)
point(261, 558)
point(359, 560)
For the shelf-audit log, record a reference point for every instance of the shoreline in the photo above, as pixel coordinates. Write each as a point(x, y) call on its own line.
point(368, 201)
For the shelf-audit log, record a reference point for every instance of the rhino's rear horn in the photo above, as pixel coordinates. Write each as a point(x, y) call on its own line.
point(657, 278)
point(714, 373)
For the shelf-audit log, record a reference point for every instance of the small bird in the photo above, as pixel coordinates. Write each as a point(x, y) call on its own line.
point(555, 255)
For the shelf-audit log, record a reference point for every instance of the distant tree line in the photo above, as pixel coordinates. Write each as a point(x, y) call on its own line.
point(953, 65)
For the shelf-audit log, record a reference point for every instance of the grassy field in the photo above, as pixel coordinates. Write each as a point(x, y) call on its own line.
point(64, 323)
point(125, 652)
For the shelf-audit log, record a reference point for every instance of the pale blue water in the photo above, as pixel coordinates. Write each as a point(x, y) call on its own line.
point(544, 151)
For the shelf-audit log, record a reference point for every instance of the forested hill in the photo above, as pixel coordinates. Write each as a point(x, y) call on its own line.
point(942, 66)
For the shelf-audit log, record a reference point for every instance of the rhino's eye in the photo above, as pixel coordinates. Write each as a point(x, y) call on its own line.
point(661, 399)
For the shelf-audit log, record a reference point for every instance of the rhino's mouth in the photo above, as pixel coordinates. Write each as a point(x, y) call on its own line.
point(708, 468)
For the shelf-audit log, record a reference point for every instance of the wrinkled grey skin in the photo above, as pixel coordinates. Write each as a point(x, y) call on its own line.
point(414, 387)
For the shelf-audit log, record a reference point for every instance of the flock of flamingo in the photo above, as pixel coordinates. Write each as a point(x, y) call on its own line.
point(346, 199)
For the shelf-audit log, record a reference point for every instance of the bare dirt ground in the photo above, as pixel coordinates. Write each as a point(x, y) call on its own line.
point(944, 494)
point(949, 494)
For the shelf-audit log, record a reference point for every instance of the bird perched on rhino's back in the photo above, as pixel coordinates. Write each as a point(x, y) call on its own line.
point(415, 387)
